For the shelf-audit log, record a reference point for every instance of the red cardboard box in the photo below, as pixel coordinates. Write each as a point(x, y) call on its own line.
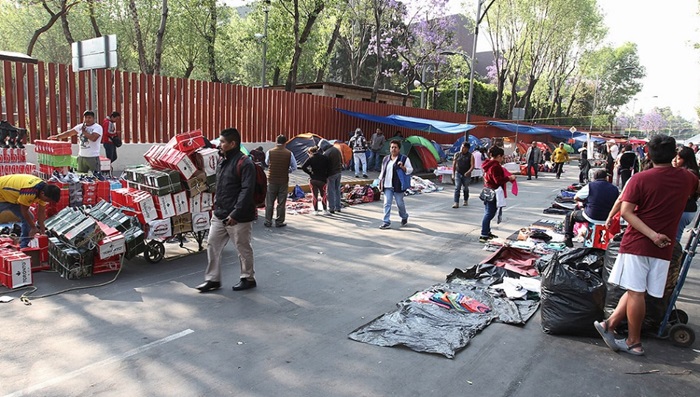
point(206, 160)
point(16, 269)
point(111, 264)
point(164, 206)
point(182, 203)
point(188, 142)
point(180, 162)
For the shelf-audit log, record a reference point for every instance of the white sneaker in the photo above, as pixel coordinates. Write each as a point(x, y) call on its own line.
point(326, 212)
point(316, 212)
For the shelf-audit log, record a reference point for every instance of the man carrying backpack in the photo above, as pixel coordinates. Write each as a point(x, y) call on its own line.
point(358, 144)
point(234, 213)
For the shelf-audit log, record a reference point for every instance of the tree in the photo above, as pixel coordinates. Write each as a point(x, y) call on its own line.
point(308, 17)
point(64, 7)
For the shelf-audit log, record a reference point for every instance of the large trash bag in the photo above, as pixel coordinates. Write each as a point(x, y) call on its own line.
point(655, 307)
point(572, 296)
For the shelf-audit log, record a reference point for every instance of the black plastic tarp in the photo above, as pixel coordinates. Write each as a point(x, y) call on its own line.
point(429, 328)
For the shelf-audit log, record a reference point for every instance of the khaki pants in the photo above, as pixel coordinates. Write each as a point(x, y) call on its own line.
point(219, 236)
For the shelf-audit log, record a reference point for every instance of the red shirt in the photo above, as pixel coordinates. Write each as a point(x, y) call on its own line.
point(494, 175)
point(660, 195)
point(105, 130)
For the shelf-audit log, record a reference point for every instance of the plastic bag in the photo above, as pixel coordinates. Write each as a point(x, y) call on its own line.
point(572, 297)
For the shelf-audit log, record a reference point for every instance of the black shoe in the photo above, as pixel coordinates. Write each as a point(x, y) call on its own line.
point(332, 211)
point(569, 243)
point(281, 224)
point(484, 239)
point(268, 224)
point(364, 176)
point(208, 286)
point(245, 284)
point(404, 222)
point(492, 236)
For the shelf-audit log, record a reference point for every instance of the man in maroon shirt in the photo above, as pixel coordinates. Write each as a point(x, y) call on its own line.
point(652, 204)
point(109, 130)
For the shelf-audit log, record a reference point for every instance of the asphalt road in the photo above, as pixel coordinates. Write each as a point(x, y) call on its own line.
point(150, 334)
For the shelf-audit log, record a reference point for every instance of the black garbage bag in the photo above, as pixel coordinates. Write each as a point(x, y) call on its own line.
point(572, 296)
point(655, 307)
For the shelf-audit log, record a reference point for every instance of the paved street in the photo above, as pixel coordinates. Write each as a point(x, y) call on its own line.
point(151, 334)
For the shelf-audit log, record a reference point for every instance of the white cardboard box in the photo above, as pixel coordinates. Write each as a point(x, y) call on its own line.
point(147, 207)
point(200, 221)
point(182, 204)
point(207, 202)
point(111, 246)
point(161, 228)
point(196, 203)
point(207, 160)
point(165, 206)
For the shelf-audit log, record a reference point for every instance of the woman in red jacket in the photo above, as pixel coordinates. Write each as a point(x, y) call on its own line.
point(494, 178)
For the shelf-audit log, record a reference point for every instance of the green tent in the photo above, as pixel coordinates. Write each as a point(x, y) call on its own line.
point(415, 139)
point(568, 148)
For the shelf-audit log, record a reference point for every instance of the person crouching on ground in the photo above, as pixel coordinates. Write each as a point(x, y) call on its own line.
point(494, 178)
point(317, 166)
point(652, 204)
point(599, 197)
point(18, 192)
point(234, 214)
point(390, 183)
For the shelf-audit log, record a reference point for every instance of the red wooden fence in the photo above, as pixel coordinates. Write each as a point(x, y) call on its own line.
point(49, 98)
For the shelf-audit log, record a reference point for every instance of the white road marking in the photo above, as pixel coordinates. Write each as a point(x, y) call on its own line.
point(113, 359)
point(511, 207)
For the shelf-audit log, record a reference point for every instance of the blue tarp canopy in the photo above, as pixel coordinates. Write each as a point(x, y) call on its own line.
point(583, 138)
point(414, 123)
point(535, 130)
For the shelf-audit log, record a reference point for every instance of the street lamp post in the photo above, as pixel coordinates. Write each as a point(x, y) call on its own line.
point(266, 10)
point(470, 60)
point(459, 71)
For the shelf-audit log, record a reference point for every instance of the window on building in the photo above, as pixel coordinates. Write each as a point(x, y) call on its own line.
point(339, 96)
point(366, 100)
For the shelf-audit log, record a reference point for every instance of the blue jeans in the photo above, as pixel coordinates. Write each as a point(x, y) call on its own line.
point(462, 182)
point(374, 162)
point(686, 218)
point(489, 213)
point(389, 196)
point(26, 227)
point(333, 192)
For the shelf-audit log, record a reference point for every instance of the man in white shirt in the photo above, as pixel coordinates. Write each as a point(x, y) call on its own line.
point(89, 137)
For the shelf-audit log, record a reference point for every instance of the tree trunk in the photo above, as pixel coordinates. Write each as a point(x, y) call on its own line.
point(189, 69)
point(159, 38)
point(378, 11)
point(64, 24)
point(210, 37)
point(300, 39)
point(143, 64)
point(329, 51)
point(49, 24)
point(276, 76)
point(93, 20)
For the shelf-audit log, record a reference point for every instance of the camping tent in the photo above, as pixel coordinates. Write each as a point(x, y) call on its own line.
point(345, 151)
point(422, 159)
point(426, 144)
point(300, 144)
point(474, 142)
point(441, 152)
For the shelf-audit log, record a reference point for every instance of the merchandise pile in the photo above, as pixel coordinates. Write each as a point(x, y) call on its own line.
point(89, 241)
point(174, 192)
point(13, 155)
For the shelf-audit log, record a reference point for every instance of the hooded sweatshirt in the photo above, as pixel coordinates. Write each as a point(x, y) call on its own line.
point(494, 177)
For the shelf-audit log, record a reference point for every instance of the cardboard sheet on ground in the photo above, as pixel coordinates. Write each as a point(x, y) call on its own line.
point(432, 328)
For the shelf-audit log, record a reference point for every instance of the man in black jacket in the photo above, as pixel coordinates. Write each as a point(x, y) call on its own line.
point(234, 213)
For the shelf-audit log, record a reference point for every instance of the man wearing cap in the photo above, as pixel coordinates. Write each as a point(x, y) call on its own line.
point(89, 137)
point(19, 192)
point(358, 144)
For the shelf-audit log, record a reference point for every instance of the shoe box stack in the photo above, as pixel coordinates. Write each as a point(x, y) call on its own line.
point(53, 156)
point(15, 268)
point(115, 218)
point(181, 179)
point(13, 155)
point(88, 241)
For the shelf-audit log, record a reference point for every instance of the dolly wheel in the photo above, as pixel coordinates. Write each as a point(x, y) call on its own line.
point(155, 251)
point(682, 335)
point(678, 316)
